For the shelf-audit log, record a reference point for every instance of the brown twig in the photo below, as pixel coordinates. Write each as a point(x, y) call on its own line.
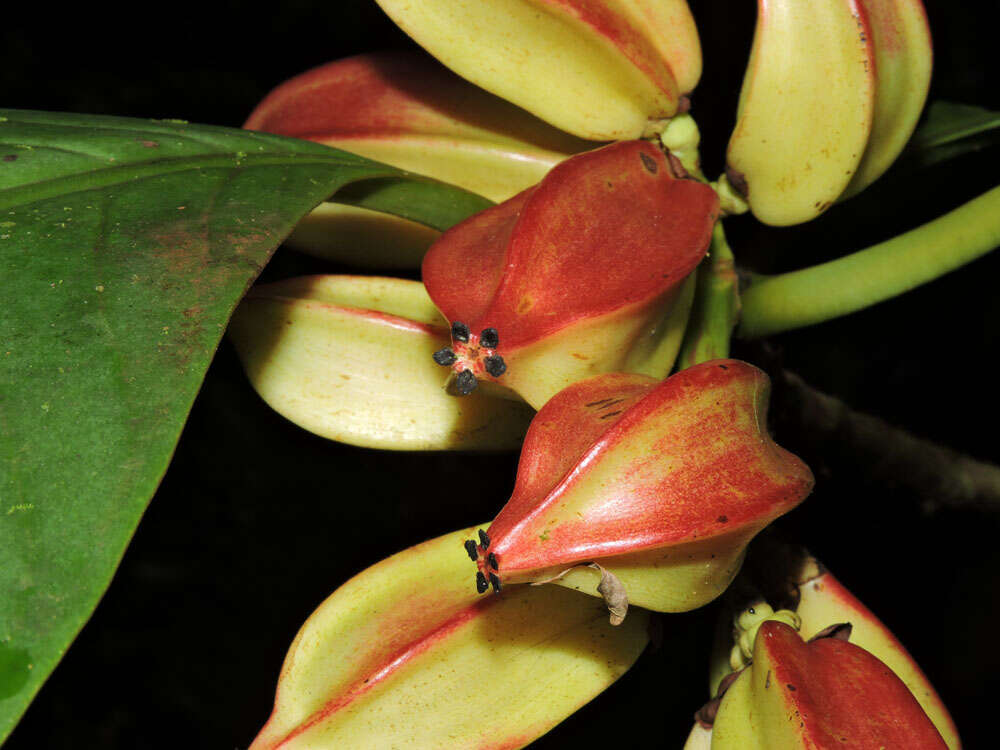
point(939, 476)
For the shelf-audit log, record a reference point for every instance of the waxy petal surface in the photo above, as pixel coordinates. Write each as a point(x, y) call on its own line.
point(405, 109)
point(688, 459)
point(794, 580)
point(359, 236)
point(574, 272)
point(806, 107)
point(670, 27)
point(625, 469)
point(823, 601)
point(826, 693)
point(406, 655)
point(599, 69)
point(901, 42)
point(605, 229)
point(349, 358)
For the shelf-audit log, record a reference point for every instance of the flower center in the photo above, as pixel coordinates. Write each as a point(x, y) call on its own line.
point(489, 569)
point(471, 357)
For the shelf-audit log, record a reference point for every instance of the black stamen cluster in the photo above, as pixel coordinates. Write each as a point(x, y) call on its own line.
point(482, 583)
point(465, 381)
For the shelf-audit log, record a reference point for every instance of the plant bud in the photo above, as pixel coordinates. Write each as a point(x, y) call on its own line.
point(603, 70)
point(661, 484)
point(823, 600)
point(821, 694)
point(352, 358)
point(569, 278)
point(405, 109)
point(813, 602)
point(406, 655)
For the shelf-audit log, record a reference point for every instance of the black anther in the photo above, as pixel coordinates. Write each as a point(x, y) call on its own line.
point(465, 383)
point(492, 560)
point(470, 547)
point(495, 581)
point(495, 365)
point(481, 584)
point(489, 338)
point(460, 332)
point(445, 357)
point(484, 539)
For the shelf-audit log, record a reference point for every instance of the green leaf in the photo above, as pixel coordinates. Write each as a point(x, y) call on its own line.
point(951, 130)
point(950, 121)
point(124, 247)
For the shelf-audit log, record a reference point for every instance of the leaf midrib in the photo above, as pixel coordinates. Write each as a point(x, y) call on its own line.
point(32, 192)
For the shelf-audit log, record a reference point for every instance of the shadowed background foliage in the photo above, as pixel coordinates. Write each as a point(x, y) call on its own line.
point(257, 521)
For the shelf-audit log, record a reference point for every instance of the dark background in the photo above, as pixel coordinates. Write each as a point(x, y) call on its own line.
point(257, 521)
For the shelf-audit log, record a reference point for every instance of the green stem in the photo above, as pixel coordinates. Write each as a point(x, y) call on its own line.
point(716, 305)
point(880, 272)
